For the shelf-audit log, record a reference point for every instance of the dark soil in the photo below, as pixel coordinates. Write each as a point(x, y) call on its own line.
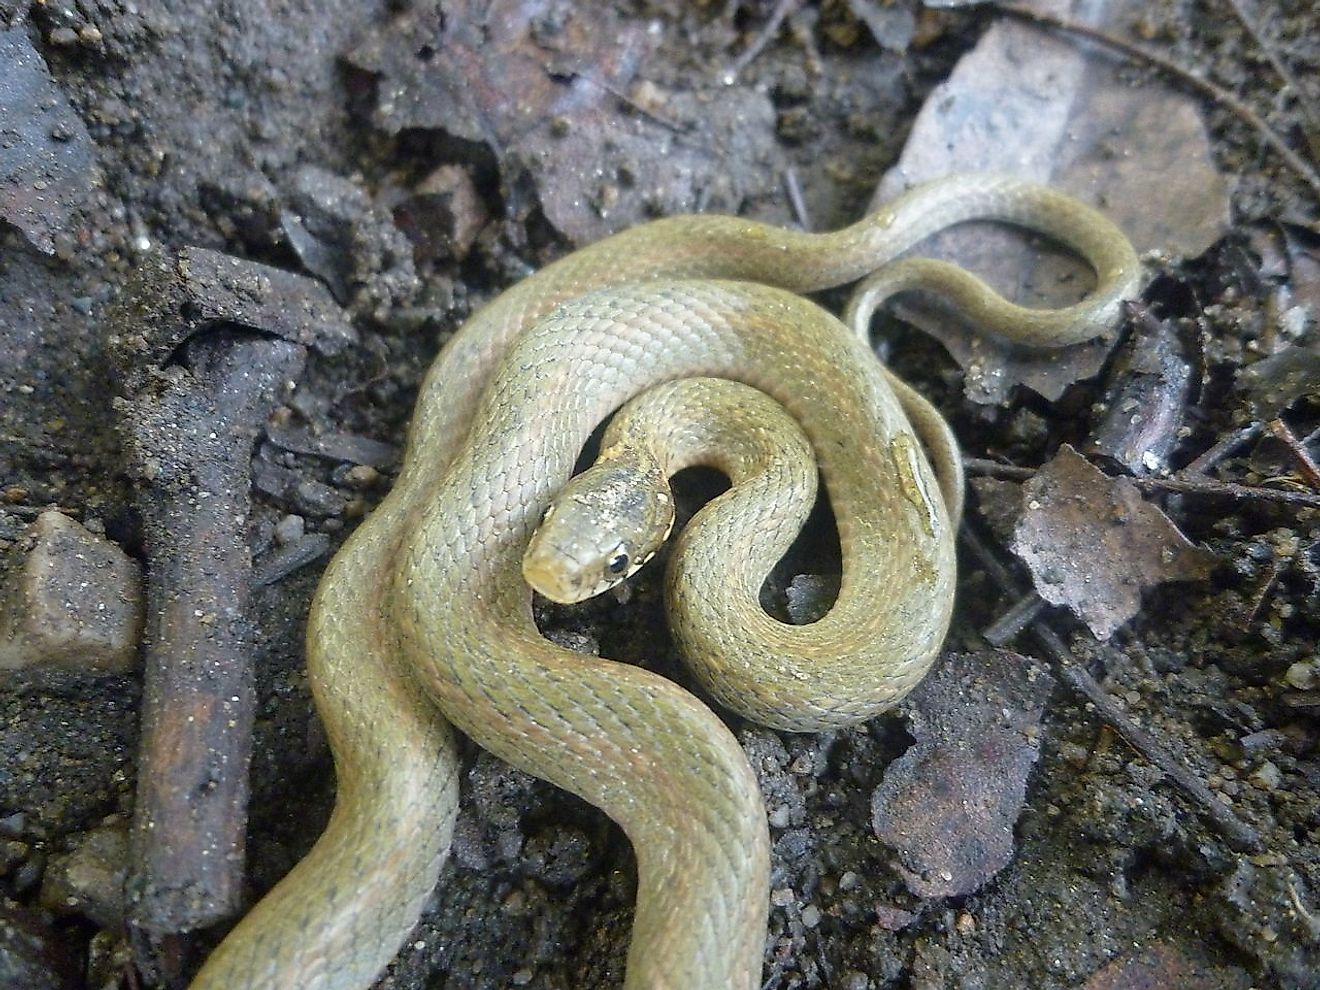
point(205, 119)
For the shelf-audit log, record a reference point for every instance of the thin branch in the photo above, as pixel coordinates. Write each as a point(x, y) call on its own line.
point(1020, 614)
point(793, 189)
point(759, 43)
point(1306, 465)
point(981, 467)
point(1311, 129)
point(1236, 832)
point(1223, 448)
point(1224, 489)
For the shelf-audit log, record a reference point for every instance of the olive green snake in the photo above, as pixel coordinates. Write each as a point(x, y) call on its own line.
point(423, 619)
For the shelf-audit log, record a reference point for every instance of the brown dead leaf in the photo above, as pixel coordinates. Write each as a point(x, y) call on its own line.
point(948, 805)
point(1040, 105)
point(1164, 965)
point(554, 92)
point(1093, 544)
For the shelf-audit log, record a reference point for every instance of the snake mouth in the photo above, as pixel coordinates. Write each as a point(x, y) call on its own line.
point(543, 568)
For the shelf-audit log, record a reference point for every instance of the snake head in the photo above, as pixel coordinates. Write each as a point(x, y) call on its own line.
point(600, 529)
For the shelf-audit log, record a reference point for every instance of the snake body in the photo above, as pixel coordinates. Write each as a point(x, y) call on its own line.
point(423, 618)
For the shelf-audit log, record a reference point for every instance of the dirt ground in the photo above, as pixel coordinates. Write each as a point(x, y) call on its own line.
point(409, 159)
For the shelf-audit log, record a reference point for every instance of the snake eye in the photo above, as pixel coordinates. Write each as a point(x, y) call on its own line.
point(618, 563)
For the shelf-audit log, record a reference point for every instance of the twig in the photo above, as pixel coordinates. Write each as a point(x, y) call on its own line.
point(188, 437)
point(1020, 614)
point(793, 189)
point(632, 104)
point(1225, 489)
point(1223, 448)
point(1311, 131)
point(199, 683)
point(1306, 465)
point(1189, 77)
point(782, 9)
point(1263, 595)
point(1237, 833)
point(980, 467)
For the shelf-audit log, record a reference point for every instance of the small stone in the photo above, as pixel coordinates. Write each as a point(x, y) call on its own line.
point(13, 826)
point(1266, 777)
point(89, 879)
point(1301, 675)
point(290, 529)
point(893, 919)
point(809, 596)
point(362, 476)
point(12, 852)
point(811, 916)
point(76, 601)
point(29, 873)
point(780, 816)
point(781, 897)
point(849, 881)
point(318, 499)
point(445, 214)
point(1264, 739)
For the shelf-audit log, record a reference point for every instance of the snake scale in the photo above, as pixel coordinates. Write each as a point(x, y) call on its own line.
point(423, 619)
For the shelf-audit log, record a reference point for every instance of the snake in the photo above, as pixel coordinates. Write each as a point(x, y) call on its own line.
point(423, 621)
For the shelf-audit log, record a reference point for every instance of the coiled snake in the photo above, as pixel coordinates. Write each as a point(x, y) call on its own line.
point(424, 619)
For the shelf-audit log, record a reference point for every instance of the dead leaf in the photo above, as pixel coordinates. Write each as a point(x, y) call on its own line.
point(1040, 105)
point(47, 158)
point(1165, 965)
point(1093, 544)
point(1274, 383)
point(948, 805)
point(557, 97)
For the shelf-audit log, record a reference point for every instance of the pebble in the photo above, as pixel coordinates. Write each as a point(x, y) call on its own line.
point(361, 476)
point(75, 602)
point(13, 825)
point(1301, 675)
point(290, 529)
point(1267, 777)
point(89, 879)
